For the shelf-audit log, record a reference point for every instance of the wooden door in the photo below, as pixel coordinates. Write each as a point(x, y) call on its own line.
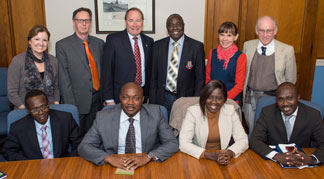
point(17, 18)
point(296, 26)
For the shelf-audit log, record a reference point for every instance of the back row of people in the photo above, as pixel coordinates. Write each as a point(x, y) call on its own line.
point(89, 73)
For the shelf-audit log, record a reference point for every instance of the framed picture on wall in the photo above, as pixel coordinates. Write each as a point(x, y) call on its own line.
point(110, 15)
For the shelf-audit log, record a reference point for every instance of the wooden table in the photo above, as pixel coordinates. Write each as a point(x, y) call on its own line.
point(248, 165)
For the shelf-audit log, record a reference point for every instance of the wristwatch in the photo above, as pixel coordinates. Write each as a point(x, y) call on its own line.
point(151, 156)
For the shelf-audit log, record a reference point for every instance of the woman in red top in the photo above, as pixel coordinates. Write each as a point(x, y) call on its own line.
point(227, 63)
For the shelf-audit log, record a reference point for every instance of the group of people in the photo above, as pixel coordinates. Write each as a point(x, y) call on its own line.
point(132, 73)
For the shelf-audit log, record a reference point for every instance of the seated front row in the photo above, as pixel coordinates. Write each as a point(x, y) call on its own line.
point(209, 126)
point(43, 133)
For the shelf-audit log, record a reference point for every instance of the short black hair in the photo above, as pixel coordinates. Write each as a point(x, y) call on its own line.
point(134, 9)
point(208, 89)
point(33, 93)
point(82, 9)
point(172, 16)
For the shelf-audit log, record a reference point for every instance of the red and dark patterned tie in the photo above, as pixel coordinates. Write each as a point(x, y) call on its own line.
point(137, 56)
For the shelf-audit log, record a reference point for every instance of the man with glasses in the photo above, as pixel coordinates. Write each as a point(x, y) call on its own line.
point(79, 58)
point(269, 63)
point(43, 133)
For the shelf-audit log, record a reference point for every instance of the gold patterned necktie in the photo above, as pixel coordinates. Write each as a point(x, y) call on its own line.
point(173, 69)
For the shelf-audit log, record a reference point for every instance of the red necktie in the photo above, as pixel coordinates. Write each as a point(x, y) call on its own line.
point(137, 56)
point(93, 67)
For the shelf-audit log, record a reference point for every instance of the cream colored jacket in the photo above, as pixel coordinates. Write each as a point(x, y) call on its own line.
point(285, 62)
point(194, 131)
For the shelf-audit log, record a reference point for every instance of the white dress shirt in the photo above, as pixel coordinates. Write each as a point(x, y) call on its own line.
point(123, 128)
point(270, 48)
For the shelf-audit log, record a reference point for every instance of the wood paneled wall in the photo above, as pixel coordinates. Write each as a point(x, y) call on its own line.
point(17, 18)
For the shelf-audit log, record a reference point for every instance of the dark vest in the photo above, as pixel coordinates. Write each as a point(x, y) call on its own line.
point(226, 76)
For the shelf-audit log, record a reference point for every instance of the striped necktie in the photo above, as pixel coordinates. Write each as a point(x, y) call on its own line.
point(47, 152)
point(173, 69)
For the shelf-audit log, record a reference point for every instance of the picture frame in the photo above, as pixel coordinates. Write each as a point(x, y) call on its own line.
point(110, 15)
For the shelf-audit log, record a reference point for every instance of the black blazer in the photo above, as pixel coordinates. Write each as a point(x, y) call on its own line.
point(118, 64)
point(191, 73)
point(22, 143)
point(270, 130)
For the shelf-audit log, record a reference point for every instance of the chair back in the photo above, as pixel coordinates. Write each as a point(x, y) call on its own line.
point(20, 113)
point(179, 110)
point(4, 102)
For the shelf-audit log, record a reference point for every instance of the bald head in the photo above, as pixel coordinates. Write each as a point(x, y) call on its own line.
point(131, 98)
point(266, 29)
point(132, 85)
point(287, 98)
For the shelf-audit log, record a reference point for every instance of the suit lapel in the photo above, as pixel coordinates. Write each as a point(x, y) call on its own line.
point(225, 126)
point(114, 123)
point(80, 52)
point(184, 57)
point(55, 135)
point(145, 48)
point(128, 47)
point(299, 123)
point(280, 125)
point(165, 58)
point(143, 125)
point(33, 137)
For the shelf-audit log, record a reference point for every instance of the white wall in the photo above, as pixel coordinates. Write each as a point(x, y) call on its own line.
point(59, 18)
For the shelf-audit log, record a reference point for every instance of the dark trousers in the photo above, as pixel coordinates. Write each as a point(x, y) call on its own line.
point(86, 120)
point(168, 101)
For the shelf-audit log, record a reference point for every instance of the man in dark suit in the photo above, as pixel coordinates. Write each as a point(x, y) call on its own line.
point(129, 127)
point(127, 58)
point(26, 139)
point(79, 59)
point(178, 68)
point(289, 121)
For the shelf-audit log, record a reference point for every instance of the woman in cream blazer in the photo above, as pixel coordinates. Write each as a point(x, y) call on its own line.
point(195, 129)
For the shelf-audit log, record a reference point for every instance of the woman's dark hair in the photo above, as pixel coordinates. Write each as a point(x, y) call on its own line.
point(228, 27)
point(208, 89)
point(35, 30)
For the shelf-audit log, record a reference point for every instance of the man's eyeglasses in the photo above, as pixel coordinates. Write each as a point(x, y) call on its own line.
point(267, 31)
point(39, 109)
point(81, 21)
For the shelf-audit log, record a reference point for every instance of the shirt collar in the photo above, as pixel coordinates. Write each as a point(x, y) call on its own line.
point(180, 41)
point(124, 117)
point(270, 45)
point(39, 126)
point(293, 114)
point(132, 36)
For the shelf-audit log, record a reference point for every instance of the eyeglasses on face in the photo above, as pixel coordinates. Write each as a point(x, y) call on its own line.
point(81, 21)
point(39, 109)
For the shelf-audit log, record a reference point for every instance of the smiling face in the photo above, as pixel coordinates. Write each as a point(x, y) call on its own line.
point(134, 22)
point(39, 44)
point(287, 99)
point(131, 98)
point(82, 22)
point(215, 101)
point(175, 27)
point(227, 39)
point(266, 30)
point(38, 107)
